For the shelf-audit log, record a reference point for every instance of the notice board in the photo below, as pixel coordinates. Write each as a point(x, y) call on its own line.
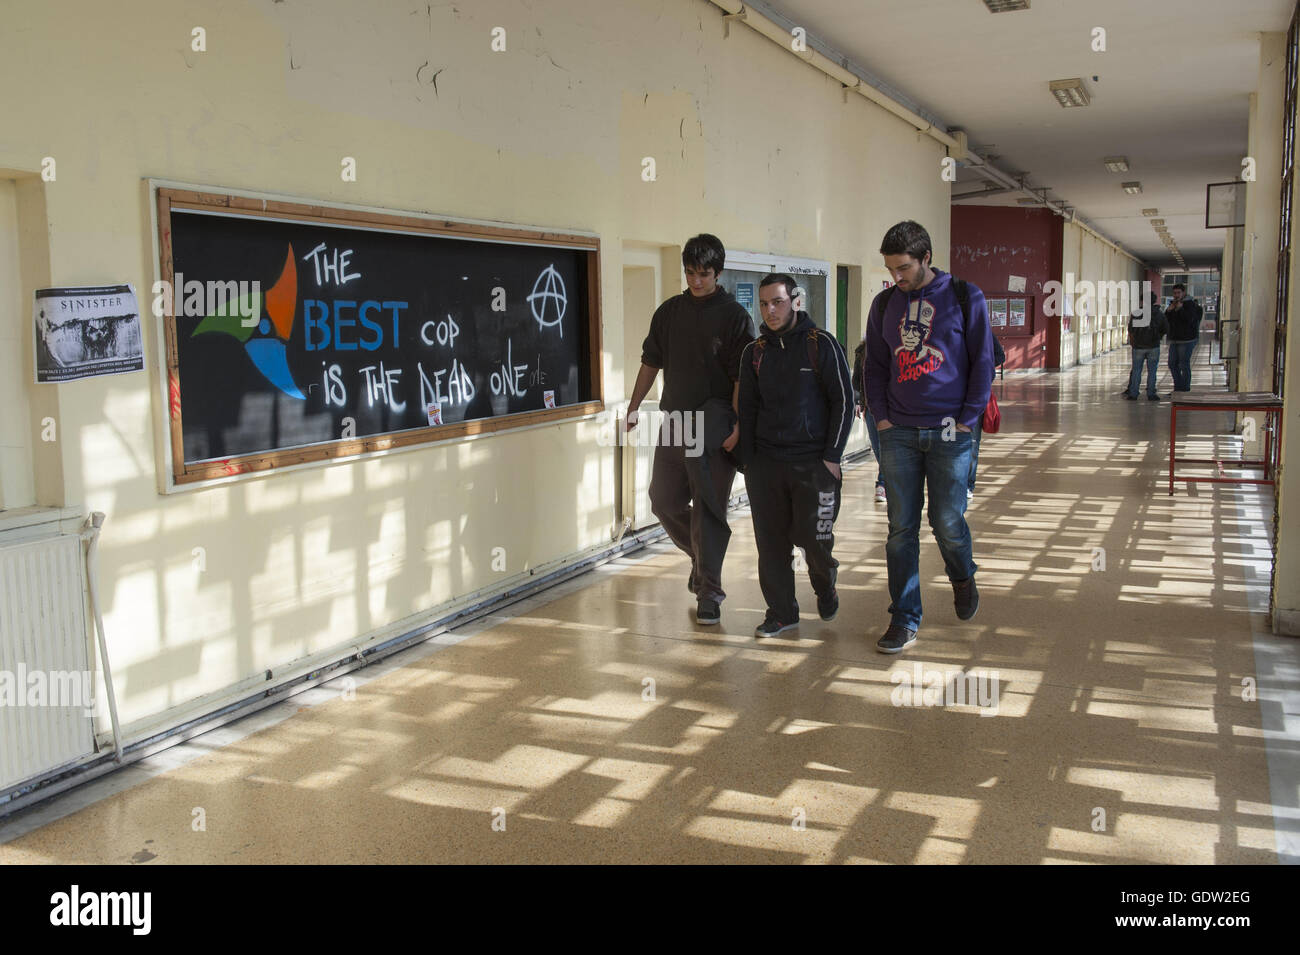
point(297, 333)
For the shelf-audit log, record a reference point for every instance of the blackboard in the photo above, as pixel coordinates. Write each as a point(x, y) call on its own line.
point(297, 333)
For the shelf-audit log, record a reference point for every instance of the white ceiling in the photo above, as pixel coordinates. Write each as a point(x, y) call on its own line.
point(1171, 93)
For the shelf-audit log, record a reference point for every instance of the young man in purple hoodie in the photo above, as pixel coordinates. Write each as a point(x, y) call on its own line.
point(929, 362)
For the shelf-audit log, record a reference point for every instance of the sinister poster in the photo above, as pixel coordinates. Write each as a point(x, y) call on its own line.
point(84, 332)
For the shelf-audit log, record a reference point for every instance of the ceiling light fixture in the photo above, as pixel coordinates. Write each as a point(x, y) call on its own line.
point(1006, 6)
point(1157, 223)
point(1116, 163)
point(1132, 188)
point(1150, 212)
point(1069, 92)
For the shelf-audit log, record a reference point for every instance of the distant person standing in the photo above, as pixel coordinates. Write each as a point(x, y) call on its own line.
point(929, 373)
point(796, 411)
point(696, 338)
point(1146, 327)
point(1184, 317)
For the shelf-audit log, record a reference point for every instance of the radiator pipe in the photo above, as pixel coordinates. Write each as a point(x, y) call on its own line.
point(90, 534)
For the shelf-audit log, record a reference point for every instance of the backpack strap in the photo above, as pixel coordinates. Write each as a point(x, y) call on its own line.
point(963, 299)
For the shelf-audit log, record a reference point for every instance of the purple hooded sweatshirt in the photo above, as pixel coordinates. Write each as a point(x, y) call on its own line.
point(923, 362)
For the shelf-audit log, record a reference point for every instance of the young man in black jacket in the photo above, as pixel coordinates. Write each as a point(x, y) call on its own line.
point(796, 410)
point(696, 338)
point(1184, 329)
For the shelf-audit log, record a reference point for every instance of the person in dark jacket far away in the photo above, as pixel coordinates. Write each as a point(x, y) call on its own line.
point(696, 338)
point(1145, 329)
point(796, 411)
point(928, 377)
point(1184, 317)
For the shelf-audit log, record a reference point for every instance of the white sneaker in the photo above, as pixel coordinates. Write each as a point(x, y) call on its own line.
point(880, 494)
point(969, 495)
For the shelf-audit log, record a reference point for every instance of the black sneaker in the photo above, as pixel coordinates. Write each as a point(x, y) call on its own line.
point(828, 606)
point(965, 598)
point(1153, 397)
point(1130, 397)
point(896, 639)
point(772, 625)
point(707, 612)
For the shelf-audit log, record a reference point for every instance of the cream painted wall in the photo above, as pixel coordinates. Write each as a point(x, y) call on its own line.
point(749, 143)
point(17, 485)
point(1087, 258)
point(1071, 264)
point(1263, 198)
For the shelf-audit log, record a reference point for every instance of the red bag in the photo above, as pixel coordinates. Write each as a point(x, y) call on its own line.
point(992, 416)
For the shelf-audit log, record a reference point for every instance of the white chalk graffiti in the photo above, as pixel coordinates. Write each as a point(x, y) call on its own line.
point(553, 289)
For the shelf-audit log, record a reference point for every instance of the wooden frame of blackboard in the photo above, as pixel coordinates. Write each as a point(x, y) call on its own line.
point(244, 206)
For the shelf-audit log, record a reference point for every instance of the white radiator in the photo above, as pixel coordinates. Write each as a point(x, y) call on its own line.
point(46, 680)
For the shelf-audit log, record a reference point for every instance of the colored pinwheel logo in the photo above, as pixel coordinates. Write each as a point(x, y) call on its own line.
point(266, 348)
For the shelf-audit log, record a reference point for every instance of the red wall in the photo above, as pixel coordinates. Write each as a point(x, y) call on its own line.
point(990, 243)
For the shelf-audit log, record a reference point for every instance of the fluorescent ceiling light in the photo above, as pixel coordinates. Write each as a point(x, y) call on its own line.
point(1006, 6)
point(1150, 212)
point(1132, 188)
point(1157, 223)
point(1116, 163)
point(1069, 92)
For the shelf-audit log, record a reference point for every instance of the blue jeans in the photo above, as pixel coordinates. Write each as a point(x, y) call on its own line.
point(1180, 364)
point(918, 461)
point(1151, 358)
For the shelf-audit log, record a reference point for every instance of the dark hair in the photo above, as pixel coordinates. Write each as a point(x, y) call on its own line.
point(780, 278)
point(704, 251)
point(1180, 285)
point(907, 238)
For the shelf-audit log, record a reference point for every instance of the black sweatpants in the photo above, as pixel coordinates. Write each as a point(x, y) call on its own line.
point(689, 496)
point(794, 504)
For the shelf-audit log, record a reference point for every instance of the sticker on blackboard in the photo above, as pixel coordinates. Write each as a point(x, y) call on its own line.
point(435, 414)
point(548, 399)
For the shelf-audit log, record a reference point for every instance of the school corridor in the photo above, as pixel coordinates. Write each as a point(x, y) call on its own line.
point(1119, 698)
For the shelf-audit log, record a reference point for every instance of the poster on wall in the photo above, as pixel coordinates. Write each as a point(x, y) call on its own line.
point(86, 332)
point(998, 312)
point(745, 296)
point(1016, 312)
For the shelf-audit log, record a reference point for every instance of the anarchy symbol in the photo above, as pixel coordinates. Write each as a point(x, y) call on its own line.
point(553, 289)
